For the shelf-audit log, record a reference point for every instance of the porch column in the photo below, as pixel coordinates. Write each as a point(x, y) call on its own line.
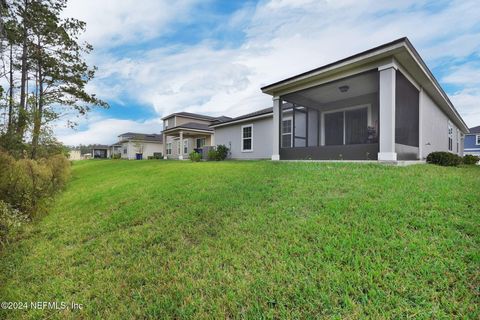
point(277, 102)
point(387, 113)
point(164, 147)
point(180, 155)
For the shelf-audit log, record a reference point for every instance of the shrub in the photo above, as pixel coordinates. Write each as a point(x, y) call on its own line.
point(212, 154)
point(26, 183)
point(218, 154)
point(116, 156)
point(195, 156)
point(222, 152)
point(470, 159)
point(10, 220)
point(157, 155)
point(444, 159)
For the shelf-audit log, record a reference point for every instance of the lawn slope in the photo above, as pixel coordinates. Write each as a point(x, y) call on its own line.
point(165, 239)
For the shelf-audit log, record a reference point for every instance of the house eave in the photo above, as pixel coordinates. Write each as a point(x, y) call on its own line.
point(225, 124)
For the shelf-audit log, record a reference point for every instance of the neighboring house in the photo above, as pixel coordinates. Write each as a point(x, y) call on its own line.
point(383, 103)
point(184, 132)
point(248, 136)
point(472, 142)
point(74, 155)
point(100, 151)
point(138, 146)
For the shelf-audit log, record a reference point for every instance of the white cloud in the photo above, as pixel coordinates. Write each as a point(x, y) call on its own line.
point(114, 22)
point(101, 130)
point(282, 38)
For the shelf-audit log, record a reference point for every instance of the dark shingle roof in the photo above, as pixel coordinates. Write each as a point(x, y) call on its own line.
point(154, 137)
point(192, 125)
point(475, 129)
point(247, 116)
point(191, 115)
point(99, 146)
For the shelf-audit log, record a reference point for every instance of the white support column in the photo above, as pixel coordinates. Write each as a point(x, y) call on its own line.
point(277, 102)
point(387, 113)
point(180, 155)
point(164, 148)
point(421, 101)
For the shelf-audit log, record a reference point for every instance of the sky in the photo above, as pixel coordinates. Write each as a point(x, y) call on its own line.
point(156, 57)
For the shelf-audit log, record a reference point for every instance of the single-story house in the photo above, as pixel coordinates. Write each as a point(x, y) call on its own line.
point(100, 151)
point(380, 104)
point(472, 142)
point(184, 132)
point(138, 146)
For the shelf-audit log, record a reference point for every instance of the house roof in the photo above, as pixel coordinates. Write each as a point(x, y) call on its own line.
point(99, 146)
point(259, 113)
point(401, 50)
point(152, 137)
point(475, 129)
point(190, 115)
point(191, 125)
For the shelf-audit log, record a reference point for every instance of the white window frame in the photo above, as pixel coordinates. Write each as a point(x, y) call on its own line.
point(477, 139)
point(179, 147)
point(204, 142)
point(242, 138)
point(169, 148)
point(185, 146)
point(288, 133)
point(166, 123)
point(450, 136)
point(369, 119)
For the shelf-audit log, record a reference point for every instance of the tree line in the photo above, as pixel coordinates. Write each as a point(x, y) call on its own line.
point(43, 74)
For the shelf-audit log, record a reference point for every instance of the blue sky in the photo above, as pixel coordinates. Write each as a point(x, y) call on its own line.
point(155, 57)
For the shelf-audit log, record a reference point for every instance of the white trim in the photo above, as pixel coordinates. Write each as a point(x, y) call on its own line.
point(477, 138)
point(185, 142)
point(361, 106)
point(186, 129)
point(421, 101)
point(267, 115)
point(291, 131)
point(242, 138)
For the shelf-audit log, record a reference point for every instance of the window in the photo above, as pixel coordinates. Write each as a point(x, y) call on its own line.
point(450, 136)
point(247, 138)
point(169, 148)
point(200, 143)
point(287, 133)
point(477, 139)
point(346, 127)
point(125, 151)
point(185, 146)
point(166, 124)
point(178, 147)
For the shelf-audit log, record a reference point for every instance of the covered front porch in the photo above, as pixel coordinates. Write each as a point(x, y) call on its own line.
point(372, 114)
point(180, 142)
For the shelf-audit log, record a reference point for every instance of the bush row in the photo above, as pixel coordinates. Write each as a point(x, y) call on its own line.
point(218, 153)
point(26, 185)
point(449, 159)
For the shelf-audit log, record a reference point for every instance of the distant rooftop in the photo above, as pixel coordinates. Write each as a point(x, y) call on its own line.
point(197, 116)
point(475, 129)
point(154, 137)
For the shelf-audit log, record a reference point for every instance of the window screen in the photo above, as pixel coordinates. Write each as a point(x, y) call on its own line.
point(334, 128)
point(356, 123)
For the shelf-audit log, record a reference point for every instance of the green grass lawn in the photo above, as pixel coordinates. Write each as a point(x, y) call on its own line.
point(170, 239)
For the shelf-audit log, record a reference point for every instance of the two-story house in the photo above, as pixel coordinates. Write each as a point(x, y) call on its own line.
point(184, 132)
